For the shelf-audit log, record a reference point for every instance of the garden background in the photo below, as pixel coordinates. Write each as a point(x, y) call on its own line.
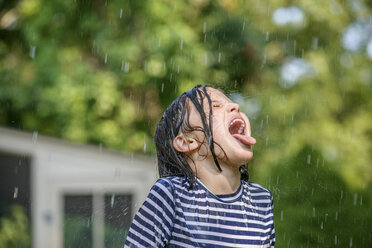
point(103, 71)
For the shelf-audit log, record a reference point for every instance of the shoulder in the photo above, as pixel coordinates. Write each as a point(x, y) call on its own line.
point(169, 181)
point(168, 184)
point(257, 189)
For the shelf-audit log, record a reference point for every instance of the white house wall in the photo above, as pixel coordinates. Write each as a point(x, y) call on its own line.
point(59, 168)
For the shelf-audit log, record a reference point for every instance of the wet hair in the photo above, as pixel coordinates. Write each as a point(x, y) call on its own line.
point(174, 121)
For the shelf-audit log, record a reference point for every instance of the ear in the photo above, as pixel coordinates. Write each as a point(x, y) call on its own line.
point(185, 144)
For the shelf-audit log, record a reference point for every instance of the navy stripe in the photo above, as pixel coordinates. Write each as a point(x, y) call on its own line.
point(205, 210)
point(138, 239)
point(229, 231)
point(228, 223)
point(223, 239)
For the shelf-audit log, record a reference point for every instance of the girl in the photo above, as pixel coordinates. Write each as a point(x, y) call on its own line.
point(204, 198)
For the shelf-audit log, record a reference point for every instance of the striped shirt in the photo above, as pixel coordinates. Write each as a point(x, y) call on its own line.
point(174, 216)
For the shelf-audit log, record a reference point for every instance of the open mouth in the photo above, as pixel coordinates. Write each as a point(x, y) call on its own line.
point(237, 126)
point(237, 129)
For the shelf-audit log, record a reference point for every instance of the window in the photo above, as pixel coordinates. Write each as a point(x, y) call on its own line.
point(15, 204)
point(96, 220)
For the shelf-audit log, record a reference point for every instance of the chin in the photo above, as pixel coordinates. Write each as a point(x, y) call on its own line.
point(242, 158)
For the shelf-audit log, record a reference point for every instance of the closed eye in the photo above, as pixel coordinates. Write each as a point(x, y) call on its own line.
point(216, 104)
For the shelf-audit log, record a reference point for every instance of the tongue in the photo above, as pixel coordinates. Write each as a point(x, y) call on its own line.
point(245, 139)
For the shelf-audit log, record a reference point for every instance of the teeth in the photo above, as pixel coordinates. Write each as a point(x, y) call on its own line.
point(242, 125)
point(240, 131)
point(239, 120)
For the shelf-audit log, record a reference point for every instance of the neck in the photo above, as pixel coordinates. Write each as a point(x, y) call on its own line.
point(225, 182)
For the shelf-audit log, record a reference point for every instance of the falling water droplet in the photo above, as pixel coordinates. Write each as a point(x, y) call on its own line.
point(205, 58)
point(32, 51)
point(144, 147)
point(355, 199)
point(336, 239)
point(162, 87)
point(204, 27)
point(267, 36)
point(314, 44)
point(351, 242)
point(267, 140)
point(219, 57)
point(34, 137)
point(263, 61)
point(181, 44)
point(121, 13)
point(313, 212)
point(321, 225)
point(126, 67)
point(105, 58)
point(15, 194)
point(112, 200)
point(309, 159)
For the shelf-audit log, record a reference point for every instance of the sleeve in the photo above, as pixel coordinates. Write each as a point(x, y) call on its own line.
point(272, 236)
point(152, 225)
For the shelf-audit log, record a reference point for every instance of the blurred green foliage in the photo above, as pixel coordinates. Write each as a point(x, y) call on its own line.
point(102, 72)
point(77, 231)
point(15, 229)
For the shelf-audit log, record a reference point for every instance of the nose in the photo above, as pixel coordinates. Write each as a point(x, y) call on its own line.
point(232, 106)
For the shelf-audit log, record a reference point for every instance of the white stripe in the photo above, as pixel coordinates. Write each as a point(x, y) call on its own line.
point(151, 233)
point(202, 192)
point(212, 200)
point(164, 201)
point(266, 201)
point(199, 191)
point(166, 191)
point(197, 209)
point(237, 228)
point(144, 219)
point(132, 242)
point(214, 242)
point(219, 218)
point(156, 216)
point(221, 234)
point(180, 244)
point(143, 238)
